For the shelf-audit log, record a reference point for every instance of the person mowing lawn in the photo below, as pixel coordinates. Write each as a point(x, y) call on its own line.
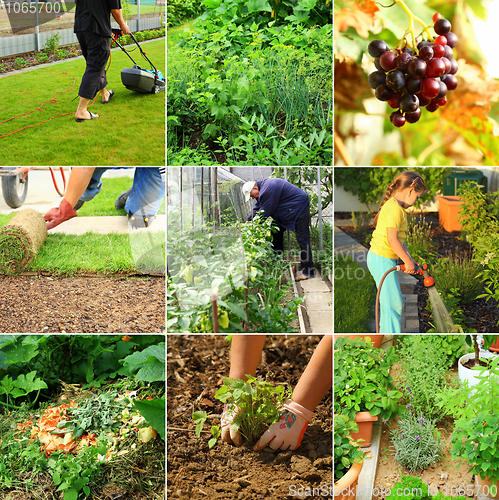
point(388, 245)
point(141, 202)
point(93, 30)
point(289, 206)
point(287, 433)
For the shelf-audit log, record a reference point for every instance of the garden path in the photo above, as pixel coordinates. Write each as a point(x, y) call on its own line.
point(345, 245)
point(318, 304)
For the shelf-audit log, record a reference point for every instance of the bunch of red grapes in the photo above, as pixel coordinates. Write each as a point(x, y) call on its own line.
point(409, 82)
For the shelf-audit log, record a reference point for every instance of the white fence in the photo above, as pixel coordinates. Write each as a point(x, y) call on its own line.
point(13, 45)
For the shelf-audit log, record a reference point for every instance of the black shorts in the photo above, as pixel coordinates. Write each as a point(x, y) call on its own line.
point(96, 50)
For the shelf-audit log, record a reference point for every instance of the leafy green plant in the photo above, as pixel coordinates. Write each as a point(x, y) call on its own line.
point(197, 264)
point(258, 400)
point(415, 443)
point(413, 488)
point(476, 430)
point(22, 386)
point(424, 374)
point(486, 248)
point(346, 451)
point(72, 475)
point(362, 381)
point(151, 367)
point(370, 183)
point(100, 413)
point(21, 62)
point(478, 211)
point(52, 43)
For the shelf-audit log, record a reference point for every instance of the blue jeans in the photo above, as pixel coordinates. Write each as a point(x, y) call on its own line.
point(147, 193)
point(390, 296)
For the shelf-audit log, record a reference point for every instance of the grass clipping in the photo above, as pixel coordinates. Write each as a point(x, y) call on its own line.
point(20, 239)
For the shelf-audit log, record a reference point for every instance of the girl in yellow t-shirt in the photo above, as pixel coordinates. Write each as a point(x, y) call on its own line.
point(388, 245)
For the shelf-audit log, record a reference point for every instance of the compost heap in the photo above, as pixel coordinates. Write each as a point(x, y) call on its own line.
point(53, 436)
point(20, 239)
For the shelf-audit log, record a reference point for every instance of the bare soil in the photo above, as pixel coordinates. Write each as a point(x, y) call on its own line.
point(44, 304)
point(196, 365)
point(446, 476)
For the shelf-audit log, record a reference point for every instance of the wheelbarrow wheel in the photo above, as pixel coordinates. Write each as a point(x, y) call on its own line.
point(14, 189)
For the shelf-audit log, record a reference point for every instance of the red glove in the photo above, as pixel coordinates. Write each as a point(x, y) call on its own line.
point(56, 216)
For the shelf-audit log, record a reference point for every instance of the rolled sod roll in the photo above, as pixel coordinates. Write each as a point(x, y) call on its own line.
point(20, 239)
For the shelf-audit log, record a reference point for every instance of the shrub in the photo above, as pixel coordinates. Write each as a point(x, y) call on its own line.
point(415, 444)
point(458, 275)
point(179, 11)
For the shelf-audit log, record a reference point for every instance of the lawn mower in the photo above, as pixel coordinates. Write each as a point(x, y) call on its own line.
point(147, 81)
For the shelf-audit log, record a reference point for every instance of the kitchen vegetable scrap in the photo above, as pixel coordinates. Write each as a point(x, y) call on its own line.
point(52, 434)
point(69, 428)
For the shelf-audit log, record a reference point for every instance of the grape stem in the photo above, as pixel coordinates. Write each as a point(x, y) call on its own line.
point(413, 18)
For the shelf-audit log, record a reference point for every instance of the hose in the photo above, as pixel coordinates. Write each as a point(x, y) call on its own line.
point(422, 270)
point(396, 268)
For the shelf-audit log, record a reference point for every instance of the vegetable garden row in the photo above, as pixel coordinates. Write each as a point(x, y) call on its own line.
point(250, 83)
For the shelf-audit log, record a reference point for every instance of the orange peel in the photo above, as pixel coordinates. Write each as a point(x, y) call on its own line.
point(53, 438)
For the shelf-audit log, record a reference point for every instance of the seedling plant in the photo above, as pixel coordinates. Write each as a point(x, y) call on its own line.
point(258, 400)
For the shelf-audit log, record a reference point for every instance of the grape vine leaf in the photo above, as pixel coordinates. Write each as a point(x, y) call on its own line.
point(358, 14)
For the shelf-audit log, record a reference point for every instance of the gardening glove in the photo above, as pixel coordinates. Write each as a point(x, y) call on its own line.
point(229, 434)
point(56, 216)
point(287, 432)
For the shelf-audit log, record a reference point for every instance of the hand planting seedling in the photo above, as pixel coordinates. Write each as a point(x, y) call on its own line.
point(250, 407)
point(415, 74)
point(288, 418)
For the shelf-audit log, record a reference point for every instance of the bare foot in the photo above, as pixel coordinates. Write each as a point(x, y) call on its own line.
point(86, 116)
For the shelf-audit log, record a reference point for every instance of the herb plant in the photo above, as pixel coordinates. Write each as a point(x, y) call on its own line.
point(362, 381)
point(424, 369)
point(258, 400)
point(346, 451)
point(476, 430)
point(415, 442)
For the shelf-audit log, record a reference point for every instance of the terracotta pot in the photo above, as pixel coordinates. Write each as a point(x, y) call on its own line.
point(346, 487)
point(488, 484)
point(376, 340)
point(495, 345)
point(448, 212)
point(365, 422)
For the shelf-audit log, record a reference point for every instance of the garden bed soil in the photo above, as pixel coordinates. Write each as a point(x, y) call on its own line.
point(11, 63)
point(196, 365)
point(483, 314)
point(445, 476)
point(44, 304)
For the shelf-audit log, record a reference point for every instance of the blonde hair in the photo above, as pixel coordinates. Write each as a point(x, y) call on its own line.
point(404, 180)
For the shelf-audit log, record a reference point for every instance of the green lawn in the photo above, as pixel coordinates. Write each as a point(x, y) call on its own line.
point(71, 254)
point(354, 297)
point(129, 132)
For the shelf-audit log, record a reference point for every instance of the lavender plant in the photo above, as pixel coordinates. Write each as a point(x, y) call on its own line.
point(416, 443)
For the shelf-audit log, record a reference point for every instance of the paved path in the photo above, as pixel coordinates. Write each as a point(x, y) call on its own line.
point(318, 304)
point(345, 245)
